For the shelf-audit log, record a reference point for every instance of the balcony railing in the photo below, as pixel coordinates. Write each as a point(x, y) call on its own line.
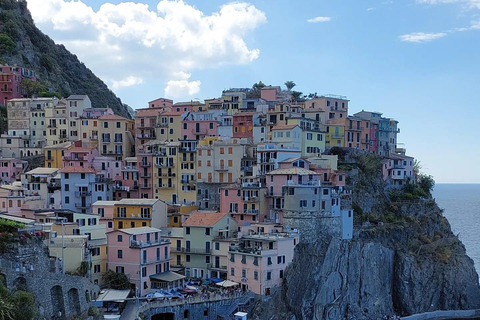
point(83, 193)
point(145, 244)
point(221, 168)
point(166, 186)
point(145, 164)
point(118, 140)
point(145, 175)
point(82, 205)
point(73, 158)
point(216, 266)
point(145, 186)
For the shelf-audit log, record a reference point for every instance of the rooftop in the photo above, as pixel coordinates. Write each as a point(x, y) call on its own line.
point(77, 97)
point(204, 218)
point(77, 169)
point(138, 202)
point(112, 117)
point(298, 171)
point(43, 171)
point(104, 203)
point(141, 230)
point(285, 127)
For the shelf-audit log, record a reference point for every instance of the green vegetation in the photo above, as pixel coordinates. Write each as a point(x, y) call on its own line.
point(16, 306)
point(7, 45)
point(116, 280)
point(53, 63)
point(414, 190)
point(10, 226)
point(290, 85)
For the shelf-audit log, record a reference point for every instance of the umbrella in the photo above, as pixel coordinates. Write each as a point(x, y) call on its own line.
point(227, 284)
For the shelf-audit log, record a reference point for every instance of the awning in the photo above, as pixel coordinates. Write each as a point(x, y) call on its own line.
point(113, 295)
point(168, 276)
point(227, 284)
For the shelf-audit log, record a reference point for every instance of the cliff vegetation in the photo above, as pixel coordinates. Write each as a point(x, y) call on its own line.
point(23, 44)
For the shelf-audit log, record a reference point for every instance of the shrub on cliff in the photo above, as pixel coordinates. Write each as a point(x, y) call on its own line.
point(116, 280)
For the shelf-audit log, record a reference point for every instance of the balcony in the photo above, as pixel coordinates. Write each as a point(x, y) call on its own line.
point(145, 186)
point(251, 211)
point(146, 136)
point(162, 124)
point(73, 158)
point(52, 125)
point(6, 90)
point(118, 140)
point(145, 164)
point(355, 128)
point(167, 174)
point(63, 136)
point(217, 267)
point(337, 136)
point(166, 186)
point(309, 183)
point(251, 185)
point(164, 165)
point(247, 169)
point(106, 140)
point(145, 175)
point(93, 137)
point(187, 149)
point(82, 205)
point(83, 193)
point(50, 158)
point(250, 199)
point(54, 186)
point(221, 168)
point(146, 244)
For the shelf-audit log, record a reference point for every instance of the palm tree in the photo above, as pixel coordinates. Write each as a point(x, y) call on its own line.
point(290, 85)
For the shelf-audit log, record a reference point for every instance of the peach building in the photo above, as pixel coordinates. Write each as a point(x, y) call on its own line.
point(79, 156)
point(243, 125)
point(106, 210)
point(10, 169)
point(198, 125)
point(259, 260)
point(141, 254)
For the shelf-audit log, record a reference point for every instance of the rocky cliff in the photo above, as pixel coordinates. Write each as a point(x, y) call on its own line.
point(403, 259)
point(22, 43)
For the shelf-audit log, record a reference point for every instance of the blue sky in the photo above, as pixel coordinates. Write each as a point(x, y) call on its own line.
point(414, 60)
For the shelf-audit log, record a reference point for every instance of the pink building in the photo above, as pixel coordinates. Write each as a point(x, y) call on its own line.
point(161, 103)
point(144, 256)
point(145, 124)
point(397, 170)
point(10, 169)
point(10, 79)
point(145, 173)
point(198, 125)
point(270, 93)
point(259, 261)
point(79, 156)
point(106, 210)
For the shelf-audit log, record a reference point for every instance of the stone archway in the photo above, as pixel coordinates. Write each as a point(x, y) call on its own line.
point(20, 284)
point(73, 301)
point(58, 305)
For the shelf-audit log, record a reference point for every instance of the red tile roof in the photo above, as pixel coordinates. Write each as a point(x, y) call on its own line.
point(201, 219)
point(148, 112)
point(78, 169)
point(286, 127)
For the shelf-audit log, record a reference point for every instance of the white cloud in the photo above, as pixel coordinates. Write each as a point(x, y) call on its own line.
point(182, 88)
point(370, 9)
point(468, 3)
point(131, 42)
point(127, 82)
point(319, 19)
point(421, 37)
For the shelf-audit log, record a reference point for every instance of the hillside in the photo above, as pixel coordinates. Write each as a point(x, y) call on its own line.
point(22, 43)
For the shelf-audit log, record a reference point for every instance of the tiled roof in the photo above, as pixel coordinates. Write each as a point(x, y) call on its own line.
point(148, 112)
point(77, 97)
point(203, 218)
point(112, 117)
point(140, 230)
point(78, 169)
point(173, 113)
point(286, 127)
point(81, 149)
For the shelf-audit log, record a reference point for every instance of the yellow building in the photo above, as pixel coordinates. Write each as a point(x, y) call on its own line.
point(54, 154)
point(232, 101)
point(136, 213)
point(174, 172)
point(335, 136)
point(177, 214)
point(169, 126)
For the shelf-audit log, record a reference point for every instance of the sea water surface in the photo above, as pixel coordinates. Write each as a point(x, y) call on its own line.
point(461, 204)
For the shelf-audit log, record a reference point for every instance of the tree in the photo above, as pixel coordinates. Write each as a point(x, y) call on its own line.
point(290, 85)
point(296, 95)
point(31, 87)
point(7, 45)
point(426, 183)
point(417, 166)
point(257, 88)
point(116, 280)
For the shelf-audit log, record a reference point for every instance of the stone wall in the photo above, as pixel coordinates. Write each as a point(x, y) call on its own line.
point(55, 294)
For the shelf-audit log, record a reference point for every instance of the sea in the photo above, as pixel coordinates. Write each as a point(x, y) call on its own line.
point(461, 204)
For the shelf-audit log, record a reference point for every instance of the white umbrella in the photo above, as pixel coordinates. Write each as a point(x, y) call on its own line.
point(227, 284)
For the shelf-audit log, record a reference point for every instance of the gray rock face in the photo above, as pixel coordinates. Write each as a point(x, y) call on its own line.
point(391, 269)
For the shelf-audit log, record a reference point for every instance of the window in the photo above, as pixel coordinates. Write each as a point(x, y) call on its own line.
point(207, 259)
point(217, 245)
point(232, 271)
point(269, 275)
point(187, 230)
point(119, 238)
point(309, 136)
point(230, 150)
point(66, 175)
point(119, 269)
point(303, 203)
point(105, 124)
point(222, 150)
point(269, 260)
point(119, 125)
point(207, 231)
point(67, 200)
point(187, 258)
point(120, 254)
point(255, 275)
point(281, 274)
point(96, 268)
point(110, 224)
point(67, 187)
point(244, 273)
point(82, 176)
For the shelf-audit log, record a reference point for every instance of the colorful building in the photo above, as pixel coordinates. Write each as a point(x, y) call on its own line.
point(135, 213)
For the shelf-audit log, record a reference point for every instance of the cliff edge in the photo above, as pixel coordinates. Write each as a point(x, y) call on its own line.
point(403, 259)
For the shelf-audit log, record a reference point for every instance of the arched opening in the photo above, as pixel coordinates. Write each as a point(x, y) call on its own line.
point(164, 316)
point(20, 284)
point(58, 305)
point(28, 153)
point(73, 301)
point(21, 153)
point(186, 314)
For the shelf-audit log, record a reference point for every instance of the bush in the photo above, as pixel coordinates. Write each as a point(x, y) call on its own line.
point(116, 280)
point(93, 312)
